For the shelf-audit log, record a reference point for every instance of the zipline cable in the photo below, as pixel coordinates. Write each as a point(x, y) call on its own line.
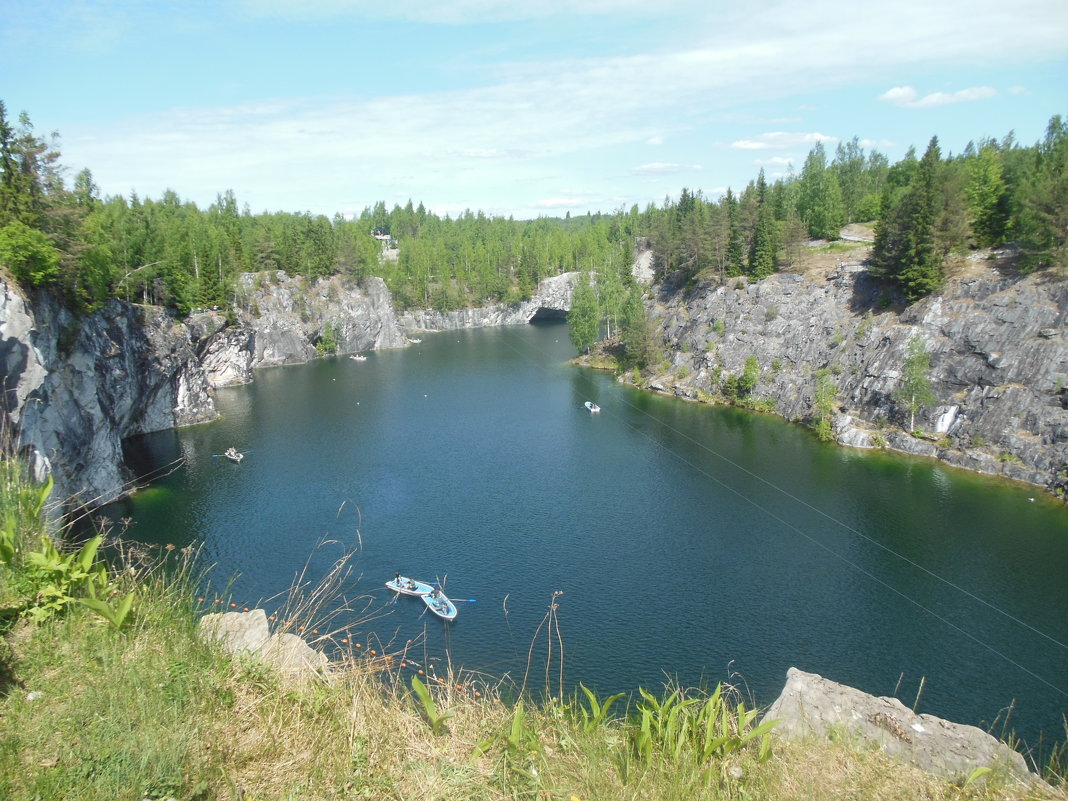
point(825, 547)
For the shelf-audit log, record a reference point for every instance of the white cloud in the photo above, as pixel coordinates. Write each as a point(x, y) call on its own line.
point(664, 168)
point(528, 125)
point(781, 140)
point(876, 143)
point(782, 163)
point(561, 203)
point(908, 97)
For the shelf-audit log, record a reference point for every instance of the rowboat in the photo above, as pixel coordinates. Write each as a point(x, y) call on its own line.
point(593, 407)
point(441, 606)
point(358, 357)
point(408, 586)
point(233, 454)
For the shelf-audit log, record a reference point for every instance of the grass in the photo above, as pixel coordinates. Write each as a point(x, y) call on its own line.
point(149, 710)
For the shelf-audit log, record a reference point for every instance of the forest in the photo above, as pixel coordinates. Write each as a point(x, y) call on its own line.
point(88, 249)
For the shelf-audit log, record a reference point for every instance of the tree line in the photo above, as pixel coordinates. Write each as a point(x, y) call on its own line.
point(170, 252)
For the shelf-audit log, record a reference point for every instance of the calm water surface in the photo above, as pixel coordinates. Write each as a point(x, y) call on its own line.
point(690, 542)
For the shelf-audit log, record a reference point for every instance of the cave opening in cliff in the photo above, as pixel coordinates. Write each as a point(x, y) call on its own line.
point(543, 315)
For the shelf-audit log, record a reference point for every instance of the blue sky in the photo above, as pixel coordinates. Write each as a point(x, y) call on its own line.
point(525, 109)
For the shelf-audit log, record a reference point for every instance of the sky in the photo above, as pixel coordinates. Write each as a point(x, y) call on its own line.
point(523, 109)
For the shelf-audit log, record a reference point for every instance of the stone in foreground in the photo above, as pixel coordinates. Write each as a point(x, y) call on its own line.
point(812, 705)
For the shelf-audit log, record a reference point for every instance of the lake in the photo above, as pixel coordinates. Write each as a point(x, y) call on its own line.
point(689, 542)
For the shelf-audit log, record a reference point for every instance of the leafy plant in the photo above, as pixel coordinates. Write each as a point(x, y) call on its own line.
point(595, 716)
point(117, 615)
point(57, 578)
point(519, 740)
point(430, 709)
point(681, 728)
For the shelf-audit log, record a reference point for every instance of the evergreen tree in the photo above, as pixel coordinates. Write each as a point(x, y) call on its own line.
point(584, 317)
point(905, 247)
point(987, 196)
point(735, 248)
point(763, 248)
point(1043, 217)
point(639, 339)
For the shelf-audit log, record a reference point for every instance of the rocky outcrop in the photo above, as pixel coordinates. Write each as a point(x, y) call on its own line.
point(552, 300)
point(999, 360)
point(75, 388)
point(284, 318)
point(248, 634)
point(811, 705)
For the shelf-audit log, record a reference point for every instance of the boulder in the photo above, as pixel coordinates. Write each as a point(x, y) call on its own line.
point(237, 632)
point(247, 633)
point(811, 705)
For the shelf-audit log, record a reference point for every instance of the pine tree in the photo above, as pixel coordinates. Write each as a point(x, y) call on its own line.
point(735, 249)
point(763, 249)
point(583, 319)
point(905, 247)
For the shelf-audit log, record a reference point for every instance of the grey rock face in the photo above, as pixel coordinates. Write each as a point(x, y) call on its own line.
point(76, 388)
point(284, 317)
point(999, 361)
point(553, 299)
point(811, 705)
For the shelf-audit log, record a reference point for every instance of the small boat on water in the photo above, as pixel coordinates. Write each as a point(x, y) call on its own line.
point(441, 606)
point(233, 454)
point(408, 586)
point(359, 357)
point(592, 407)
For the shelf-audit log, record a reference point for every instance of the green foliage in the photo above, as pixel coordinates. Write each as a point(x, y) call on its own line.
point(595, 713)
point(28, 253)
point(328, 339)
point(820, 202)
point(435, 718)
point(584, 316)
point(906, 247)
point(738, 388)
point(46, 580)
point(680, 729)
point(823, 402)
point(915, 391)
point(519, 740)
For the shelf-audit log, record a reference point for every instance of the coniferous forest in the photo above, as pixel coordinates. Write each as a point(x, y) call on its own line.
point(63, 234)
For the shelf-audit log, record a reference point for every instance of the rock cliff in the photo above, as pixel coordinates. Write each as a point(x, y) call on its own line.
point(283, 318)
point(999, 360)
point(75, 388)
point(552, 300)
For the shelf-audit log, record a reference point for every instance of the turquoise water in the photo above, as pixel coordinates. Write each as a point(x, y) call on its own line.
point(689, 542)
